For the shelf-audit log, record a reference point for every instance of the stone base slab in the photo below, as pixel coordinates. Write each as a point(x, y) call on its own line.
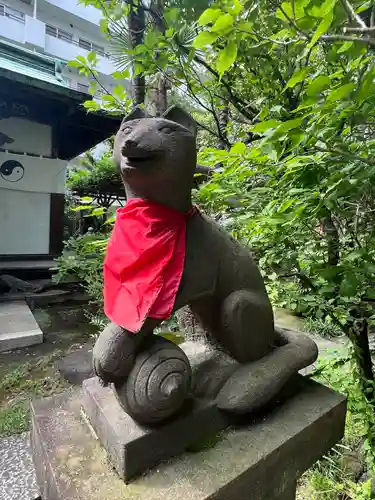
point(259, 460)
point(18, 327)
point(133, 448)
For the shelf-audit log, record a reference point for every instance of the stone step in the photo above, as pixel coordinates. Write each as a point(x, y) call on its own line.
point(18, 327)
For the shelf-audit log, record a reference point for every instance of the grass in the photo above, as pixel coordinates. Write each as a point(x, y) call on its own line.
point(335, 476)
point(23, 382)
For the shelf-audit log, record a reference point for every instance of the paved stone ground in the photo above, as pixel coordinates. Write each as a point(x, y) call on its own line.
point(17, 475)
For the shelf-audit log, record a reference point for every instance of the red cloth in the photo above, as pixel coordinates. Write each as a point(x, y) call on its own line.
point(144, 263)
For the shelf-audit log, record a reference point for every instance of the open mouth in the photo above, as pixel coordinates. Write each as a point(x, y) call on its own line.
point(134, 158)
point(138, 162)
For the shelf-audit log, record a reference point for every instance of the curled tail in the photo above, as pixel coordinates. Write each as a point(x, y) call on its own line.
point(256, 383)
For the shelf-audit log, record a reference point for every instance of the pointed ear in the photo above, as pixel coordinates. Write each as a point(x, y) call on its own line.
point(178, 115)
point(135, 114)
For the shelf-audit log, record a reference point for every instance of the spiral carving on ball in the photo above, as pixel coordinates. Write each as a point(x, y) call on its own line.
point(158, 383)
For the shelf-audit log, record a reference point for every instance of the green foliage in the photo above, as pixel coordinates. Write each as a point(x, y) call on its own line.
point(330, 478)
point(323, 328)
point(14, 418)
point(93, 174)
point(82, 259)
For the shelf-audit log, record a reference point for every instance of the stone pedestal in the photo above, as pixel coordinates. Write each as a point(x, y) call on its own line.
point(132, 448)
point(258, 460)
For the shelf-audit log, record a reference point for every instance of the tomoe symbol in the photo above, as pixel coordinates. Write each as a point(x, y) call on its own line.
point(12, 171)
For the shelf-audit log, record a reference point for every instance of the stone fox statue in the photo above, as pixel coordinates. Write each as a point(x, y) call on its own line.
point(220, 282)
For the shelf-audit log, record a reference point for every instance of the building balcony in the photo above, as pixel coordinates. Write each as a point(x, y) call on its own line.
point(88, 13)
point(12, 24)
point(69, 50)
point(21, 28)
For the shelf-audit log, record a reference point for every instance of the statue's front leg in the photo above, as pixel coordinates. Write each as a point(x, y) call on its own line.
point(115, 350)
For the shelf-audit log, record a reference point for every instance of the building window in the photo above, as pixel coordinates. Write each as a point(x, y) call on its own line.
point(85, 44)
point(59, 33)
point(98, 49)
point(68, 37)
point(14, 14)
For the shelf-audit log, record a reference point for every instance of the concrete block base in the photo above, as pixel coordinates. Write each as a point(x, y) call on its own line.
point(259, 460)
point(132, 448)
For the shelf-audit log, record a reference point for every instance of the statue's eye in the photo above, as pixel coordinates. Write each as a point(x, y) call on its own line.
point(126, 130)
point(167, 130)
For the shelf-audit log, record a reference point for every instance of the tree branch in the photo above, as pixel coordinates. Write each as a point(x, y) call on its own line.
point(237, 102)
point(352, 14)
point(350, 156)
point(356, 29)
point(345, 38)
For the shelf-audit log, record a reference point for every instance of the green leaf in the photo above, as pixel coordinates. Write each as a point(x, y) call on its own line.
point(222, 23)
point(238, 148)
point(349, 285)
point(345, 47)
point(82, 207)
point(367, 88)
point(298, 77)
point(322, 28)
point(92, 57)
point(341, 92)
point(209, 16)
point(289, 11)
point(323, 9)
point(91, 106)
point(151, 39)
point(121, 75)
point(264, 126)
point(74, 64)
point(226, 58)
point(119, 92)
point(103, 24)
point(204, 38)
point(236, 7)
point(98, 211)
point(171, 15)
point(290, 124)
point(82, 60)
point(317, 85)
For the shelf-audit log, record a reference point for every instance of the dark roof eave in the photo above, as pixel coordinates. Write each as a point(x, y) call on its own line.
point(92, 127)
point(45, 86)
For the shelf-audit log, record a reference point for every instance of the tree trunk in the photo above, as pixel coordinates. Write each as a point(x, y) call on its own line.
point(136, 22)
point(358, 335)
point(333, 241)
point(159, 95)
point(159, 92)
point(223, 116)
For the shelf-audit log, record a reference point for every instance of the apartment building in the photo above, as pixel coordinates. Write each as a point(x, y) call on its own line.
point(60, 29)
point(43, 124)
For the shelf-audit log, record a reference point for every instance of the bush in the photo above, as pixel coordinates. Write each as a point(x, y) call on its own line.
point(82, 260)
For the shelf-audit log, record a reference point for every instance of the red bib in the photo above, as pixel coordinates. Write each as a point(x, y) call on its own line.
point(144, 263)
